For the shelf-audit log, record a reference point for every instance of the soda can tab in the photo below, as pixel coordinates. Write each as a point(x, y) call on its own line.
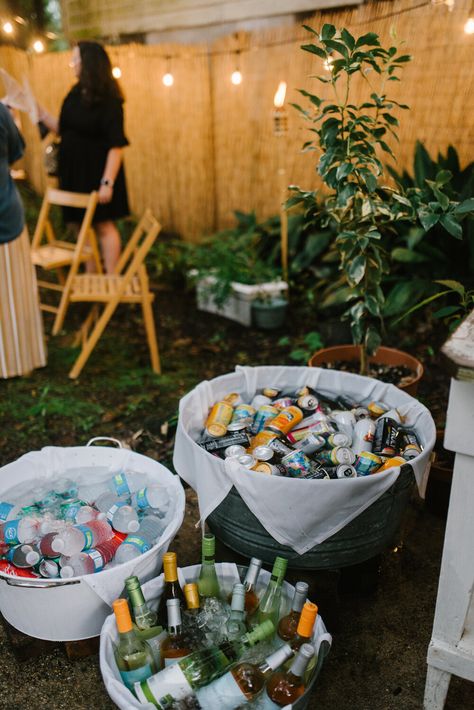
point(360, 413)
point(310, 444)
point(367, 463)
point(279, 447)
point(342, 454)
point(219, 445)
point(259, 400)
point(271, 391)
point(266, 413)
point(241, 425)
point(386, 434)
point(218, 419)
point(263, 438)
point(297, 393)
point(391, 463)
point(283, 403)
point(233, 398)
point(270, 469)
point(308, 404)
point(285, 420)
point(263, 453)
point(377, 409)
point(364, 431)
point(338, 439)
point(247, 460)
point(297, 464)
point(345, 471)
point(234, 450)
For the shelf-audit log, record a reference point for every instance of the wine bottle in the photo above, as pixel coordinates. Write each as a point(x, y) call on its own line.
point(175, 645)
point(250, 584)
point(304, 630)
point(208, 584)
point(146, 626)
point(243, 683)
point(132, 656)
point(284, 688)
point(235, 625)
point(288, 624)
point(172, 588)
point(269, 606)
point(200, 668)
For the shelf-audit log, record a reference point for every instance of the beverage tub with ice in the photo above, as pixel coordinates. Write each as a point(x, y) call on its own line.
point(74, 523)
point(316, 491)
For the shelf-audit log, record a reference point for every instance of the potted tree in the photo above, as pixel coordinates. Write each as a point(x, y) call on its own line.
point(350, 138)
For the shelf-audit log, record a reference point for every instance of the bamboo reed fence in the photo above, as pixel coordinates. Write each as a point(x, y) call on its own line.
point(203, 148)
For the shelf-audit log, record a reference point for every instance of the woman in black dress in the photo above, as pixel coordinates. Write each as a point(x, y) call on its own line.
point(92, 140)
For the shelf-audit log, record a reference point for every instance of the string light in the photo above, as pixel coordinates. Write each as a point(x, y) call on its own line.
point(469, 26)
point(168, 78)
point(116, 72)
point(7, 28)
point(38, 46)
point(236, 76)
point(327, 64)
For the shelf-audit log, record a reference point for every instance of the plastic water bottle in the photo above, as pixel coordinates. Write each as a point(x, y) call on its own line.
point(49, 523)
point(24, 556)
point(45, 545)
point(135, 545)
point(126, 483)
point(74, 539)
point(9, 511)
point(46, 500)
point(155, 496)
point(16, 532)
point(121, 516)
point(94, 560)
point(48, 569)
point(65, 488)
point(91, 491)
point(87, 513)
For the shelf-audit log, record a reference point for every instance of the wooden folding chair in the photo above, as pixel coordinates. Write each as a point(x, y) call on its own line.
point(55, 254)
point(128, 284)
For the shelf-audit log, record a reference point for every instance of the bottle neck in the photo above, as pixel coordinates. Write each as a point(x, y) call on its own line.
point(299, 666)
point(299, 599)
point(137, 599)
point(251, 577)
point(171, 573)
point(277, 659)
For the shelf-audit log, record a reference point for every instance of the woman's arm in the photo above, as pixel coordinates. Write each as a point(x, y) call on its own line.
point(49, 121)
point(112, 166)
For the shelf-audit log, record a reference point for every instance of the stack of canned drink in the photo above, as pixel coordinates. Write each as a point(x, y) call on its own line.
point(308, 434)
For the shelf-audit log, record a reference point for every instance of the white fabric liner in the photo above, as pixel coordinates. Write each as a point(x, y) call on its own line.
point(297, 513)
point(90, 464)
point(228, 575)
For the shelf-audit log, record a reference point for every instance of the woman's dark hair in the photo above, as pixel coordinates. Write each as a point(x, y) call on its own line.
point(95, 77)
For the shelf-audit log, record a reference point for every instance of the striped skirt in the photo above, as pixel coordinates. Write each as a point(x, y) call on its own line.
point(22, 347)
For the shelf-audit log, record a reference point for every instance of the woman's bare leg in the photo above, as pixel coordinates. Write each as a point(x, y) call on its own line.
point(110, 244)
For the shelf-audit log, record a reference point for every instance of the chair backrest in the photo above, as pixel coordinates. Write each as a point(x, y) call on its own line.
point(138, 246)
point(63, 198)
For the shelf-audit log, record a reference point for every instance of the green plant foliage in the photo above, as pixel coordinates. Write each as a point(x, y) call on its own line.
point(454, 313)
point(302, 352)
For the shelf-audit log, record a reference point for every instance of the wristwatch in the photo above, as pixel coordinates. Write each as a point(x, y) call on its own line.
point(107, 182)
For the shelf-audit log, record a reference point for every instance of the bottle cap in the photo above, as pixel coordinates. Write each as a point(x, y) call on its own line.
point(209, 545)
point(67, 571)
point(301, 592)
point(306, 650)
point(302, 658)
point(133, 526)
point(122, 614)
point(307, 619)
point(238, 597)
point(279, 567)
point(170, 566)
point(32, 557)
point(261, 632)
point(192, 595)
point(132, 583)
point(57, 544)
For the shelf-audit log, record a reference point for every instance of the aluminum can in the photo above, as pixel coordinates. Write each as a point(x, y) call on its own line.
point(345, 422)
point(338, 455)
point(271, 391)
point(308, 404)
point(243, 413)
point(263, 453)
point(219, 445)
point(363, 438)
point(410, 451)
point(263, 438)
point(377, 409)
point(339, 439)
point(345, 471)
point(409, 444)
point(317, 473)
point(310, 444)
point(390, 463)
point(259, 400)
point(279, 447)
point(270, 469)
point(360, 413)
point(367, 463)
point(265, 414)
point(283, 402)
point(234, 398)
point(218, 419)
point(321, 428)
point(241, 425)
point(297, 393)
point(395, 414)
point(285, 420)
point(297, 464)
point(246, 460)
point(386, 434)
point(234, 450)
point(345, 402)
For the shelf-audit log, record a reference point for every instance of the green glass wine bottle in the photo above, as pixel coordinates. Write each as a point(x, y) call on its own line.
point(235, 624)
point(145, 627)
point(269, 606)
point(208, 584)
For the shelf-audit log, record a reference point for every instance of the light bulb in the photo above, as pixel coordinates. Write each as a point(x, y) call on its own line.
point(38, 46)
point(279, 98)
point(168, 79)
point(469, 26)
point(8, 28)
point(328, 64)
point(116, 72)
point(236, 77)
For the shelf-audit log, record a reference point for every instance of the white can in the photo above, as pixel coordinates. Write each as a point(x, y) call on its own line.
point(363, 438)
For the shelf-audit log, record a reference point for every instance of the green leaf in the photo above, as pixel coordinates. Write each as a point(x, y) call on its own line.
point(443, 177)
point(403, 58)
point(344, 170)
point(370, 40)
point(310, 29)
point(428, 219)
point(446, 311)
point(451, 225)
point(327, 32)
point(338, 47)
point(285, 340)
point(407, 256)
point(403, 294)
point(314, 49)
point(464, 207)
point(390, 119)
point(453, 285)
point(356, 269)
point(421, 304)
point(372, 340)
point(348, 39)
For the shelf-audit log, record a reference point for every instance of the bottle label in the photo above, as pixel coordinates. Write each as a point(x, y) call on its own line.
point(10, 532)
point(169, 684)
point(120, 484)
point(70, 510)
point(111, 511)
point(172, 661)
point(223, 693)
point(97, 559)
point(5, 509)
point(88, 536)
point(138, 542)
point(142, 499)
point(139, 674)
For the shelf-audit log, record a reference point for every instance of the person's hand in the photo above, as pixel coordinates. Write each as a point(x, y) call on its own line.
point(105, 194)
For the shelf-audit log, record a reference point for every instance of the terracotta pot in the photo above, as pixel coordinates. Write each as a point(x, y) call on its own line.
point(384, 356)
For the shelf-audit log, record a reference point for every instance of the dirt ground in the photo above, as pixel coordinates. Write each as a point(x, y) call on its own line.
point(380, 617)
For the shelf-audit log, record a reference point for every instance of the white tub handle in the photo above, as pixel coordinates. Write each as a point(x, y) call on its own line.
point(105, 438)
point(45, 584)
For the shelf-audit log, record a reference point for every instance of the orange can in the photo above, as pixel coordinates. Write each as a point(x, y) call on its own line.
point(285, 420)
point(388, 463)
point(262, 439)
point(218, 419)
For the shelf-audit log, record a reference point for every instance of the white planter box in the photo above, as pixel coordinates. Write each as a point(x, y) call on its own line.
point(238, 306)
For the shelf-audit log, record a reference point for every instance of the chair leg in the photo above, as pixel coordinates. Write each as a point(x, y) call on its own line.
point(83, 332)
point(151, 335)
point(91, 342)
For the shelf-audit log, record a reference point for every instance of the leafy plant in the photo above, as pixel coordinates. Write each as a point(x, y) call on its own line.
point(453, 313)
point(311, 342)
point(361, 208)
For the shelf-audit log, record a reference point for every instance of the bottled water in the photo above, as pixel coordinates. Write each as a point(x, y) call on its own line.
point(89, 562)
point(49, 523)
point(135, 545)
point(45, 545)
point(155, 496)
point(126, 483)
point(74, 539)
point(24, 555)
point(9, 511)
point(48, 569)
point(86, 513)
point(91, 491)
point(46, 500)
point(65, 488)
point(121, 516)
point(22, 530)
